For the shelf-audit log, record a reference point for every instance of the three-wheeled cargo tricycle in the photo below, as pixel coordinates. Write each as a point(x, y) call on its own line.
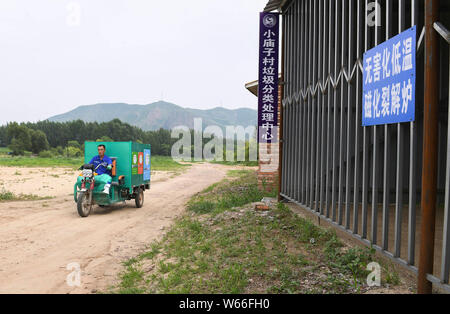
point(130, 176)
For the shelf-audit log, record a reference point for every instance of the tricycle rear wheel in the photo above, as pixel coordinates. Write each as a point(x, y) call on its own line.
point(83, 206)
point(139, 199)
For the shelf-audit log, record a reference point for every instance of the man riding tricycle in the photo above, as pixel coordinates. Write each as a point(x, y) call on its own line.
point(104, 181)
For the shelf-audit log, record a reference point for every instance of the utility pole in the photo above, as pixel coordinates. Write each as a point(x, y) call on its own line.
point(430, 147)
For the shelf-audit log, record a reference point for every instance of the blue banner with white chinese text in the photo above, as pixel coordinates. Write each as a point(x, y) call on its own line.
point(268, 77)
point(389, 81)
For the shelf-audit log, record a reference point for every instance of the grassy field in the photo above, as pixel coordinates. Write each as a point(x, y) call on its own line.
point(159, 163)
point(20, 161)
point(166, 163)
point(224, 246)
point(4, 150)
point(7, 196)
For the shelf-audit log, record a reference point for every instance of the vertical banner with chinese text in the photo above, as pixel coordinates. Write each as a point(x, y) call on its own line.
point(389, 81)
point(268, 77)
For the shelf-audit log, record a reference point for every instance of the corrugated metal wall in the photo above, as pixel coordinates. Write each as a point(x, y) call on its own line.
point(366, 180)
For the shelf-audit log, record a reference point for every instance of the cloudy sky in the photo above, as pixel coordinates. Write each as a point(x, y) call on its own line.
point(56, 55)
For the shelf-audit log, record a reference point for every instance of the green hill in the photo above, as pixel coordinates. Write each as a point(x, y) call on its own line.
point(159, 115)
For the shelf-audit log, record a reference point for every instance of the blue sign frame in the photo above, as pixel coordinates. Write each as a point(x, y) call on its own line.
point(389, 81)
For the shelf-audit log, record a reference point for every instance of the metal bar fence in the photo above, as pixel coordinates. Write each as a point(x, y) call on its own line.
point(361, 179)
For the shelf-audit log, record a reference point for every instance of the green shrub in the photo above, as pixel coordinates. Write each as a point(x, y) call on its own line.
point(202, 207)
point(74, 144)
point(54, 152)
point(6, 195)
point(105, 139)
point(47, 154)
point(74, 152)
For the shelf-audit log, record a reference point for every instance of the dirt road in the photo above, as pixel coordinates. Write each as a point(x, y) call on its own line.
point(39, 239)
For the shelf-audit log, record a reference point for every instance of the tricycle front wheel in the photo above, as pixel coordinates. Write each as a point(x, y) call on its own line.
point(84, 207)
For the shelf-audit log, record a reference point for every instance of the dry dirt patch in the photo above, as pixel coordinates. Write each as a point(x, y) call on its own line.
point(38, 239)
point(49, 182)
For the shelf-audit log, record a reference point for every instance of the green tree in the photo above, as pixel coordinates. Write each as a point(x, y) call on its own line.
point(16, 147)
point(20, 138)
point(38, 141)
point(3, 136)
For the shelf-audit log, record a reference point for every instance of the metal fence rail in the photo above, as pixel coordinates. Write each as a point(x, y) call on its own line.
point(363, 180)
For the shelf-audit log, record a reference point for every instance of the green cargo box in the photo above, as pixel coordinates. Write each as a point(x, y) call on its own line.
point(133, 161)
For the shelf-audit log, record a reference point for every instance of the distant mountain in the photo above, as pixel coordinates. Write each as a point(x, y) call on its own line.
point(159, 115)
